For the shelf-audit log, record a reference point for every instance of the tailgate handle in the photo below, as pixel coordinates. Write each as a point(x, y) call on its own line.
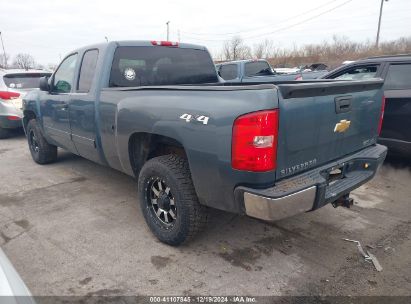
point(343, 104)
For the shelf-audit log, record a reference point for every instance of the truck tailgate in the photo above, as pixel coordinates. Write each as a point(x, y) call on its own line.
point(321, 122)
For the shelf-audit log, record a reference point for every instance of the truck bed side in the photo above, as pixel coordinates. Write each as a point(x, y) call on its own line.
point(125, 112)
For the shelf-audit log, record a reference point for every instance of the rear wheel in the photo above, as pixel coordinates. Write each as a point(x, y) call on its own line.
point(41, 151)
point(168, 200)
point(4, 133)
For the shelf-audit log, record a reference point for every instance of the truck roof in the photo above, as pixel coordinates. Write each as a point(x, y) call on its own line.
point(391, 57)
point(384, 58)
point(138, 43)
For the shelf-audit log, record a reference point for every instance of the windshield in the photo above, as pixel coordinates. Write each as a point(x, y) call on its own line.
point(24, 81)
point(151, 66)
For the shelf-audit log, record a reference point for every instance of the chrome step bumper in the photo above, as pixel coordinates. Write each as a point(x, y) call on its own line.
point(312, 189)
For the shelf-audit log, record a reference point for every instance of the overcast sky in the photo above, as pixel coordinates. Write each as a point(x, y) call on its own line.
point(49, 29)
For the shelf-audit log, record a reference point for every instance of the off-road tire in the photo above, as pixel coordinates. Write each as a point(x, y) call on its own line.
point(44, 153)
point(191, 217)
point(4, 133)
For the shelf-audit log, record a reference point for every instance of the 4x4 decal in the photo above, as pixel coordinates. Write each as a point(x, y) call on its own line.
point(199, 118)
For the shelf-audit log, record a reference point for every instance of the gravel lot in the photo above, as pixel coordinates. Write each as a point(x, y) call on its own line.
point(75, 228)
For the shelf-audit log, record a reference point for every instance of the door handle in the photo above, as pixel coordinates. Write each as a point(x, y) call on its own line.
point(64, 106)
point(343, 104)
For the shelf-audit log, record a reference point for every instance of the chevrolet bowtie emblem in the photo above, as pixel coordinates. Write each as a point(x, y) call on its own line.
point(342, 126)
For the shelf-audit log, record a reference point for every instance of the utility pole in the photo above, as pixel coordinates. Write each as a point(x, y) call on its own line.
point(379, 25)
point(168, 30)
point(4, 52)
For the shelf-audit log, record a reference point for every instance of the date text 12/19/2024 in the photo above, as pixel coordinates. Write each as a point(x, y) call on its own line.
point(203, 299)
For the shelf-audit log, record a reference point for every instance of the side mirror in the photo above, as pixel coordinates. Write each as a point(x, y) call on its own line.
point(44, 84)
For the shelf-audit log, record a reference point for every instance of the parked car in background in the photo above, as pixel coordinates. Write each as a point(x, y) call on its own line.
point(14, 84)
point(260, 71)
point(396, 72)
point(157, 111)
point(321, 68)
point(283, 71)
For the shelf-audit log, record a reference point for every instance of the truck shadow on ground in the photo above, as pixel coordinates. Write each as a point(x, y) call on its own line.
point(235, 241)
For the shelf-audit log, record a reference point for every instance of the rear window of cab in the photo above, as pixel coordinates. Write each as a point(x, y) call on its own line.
point(23, 80)
point(256, 68)
point(159, 65)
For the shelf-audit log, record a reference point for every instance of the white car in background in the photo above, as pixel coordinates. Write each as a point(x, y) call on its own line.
point(286, 70)
point(12, 288)
point(14, 84)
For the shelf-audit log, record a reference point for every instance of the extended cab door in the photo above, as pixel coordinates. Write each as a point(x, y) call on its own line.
point(396, 128)
point(54, 104)
point(82, 107)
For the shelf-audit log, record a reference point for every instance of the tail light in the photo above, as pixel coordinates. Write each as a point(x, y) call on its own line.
point(254, 143)
point(164, 43)
point(381, 115)
point(8, 95)
point(12, 117)
point(299, 77)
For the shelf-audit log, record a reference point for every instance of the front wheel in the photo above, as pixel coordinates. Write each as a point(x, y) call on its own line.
point(41, 151)
point(168, 200)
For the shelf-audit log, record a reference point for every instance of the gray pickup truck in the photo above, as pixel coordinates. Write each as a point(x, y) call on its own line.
point(259, 71)
point(157, 112)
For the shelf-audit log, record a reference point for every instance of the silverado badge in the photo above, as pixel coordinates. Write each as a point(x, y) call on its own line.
point(342, 126)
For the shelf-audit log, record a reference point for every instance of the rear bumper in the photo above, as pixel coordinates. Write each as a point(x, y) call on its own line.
point(312, 189)
point(7, 123)
point(9, 110)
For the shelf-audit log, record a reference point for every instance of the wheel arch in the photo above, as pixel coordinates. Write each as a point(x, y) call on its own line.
point(27, 116)
point(143, 146)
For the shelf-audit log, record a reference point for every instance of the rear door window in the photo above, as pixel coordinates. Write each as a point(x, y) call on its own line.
point(257, 68)
point(398, 77)
point(228, 71)
point(158, 65)
point(23, 80)
point(87, 70)
point(358, 73)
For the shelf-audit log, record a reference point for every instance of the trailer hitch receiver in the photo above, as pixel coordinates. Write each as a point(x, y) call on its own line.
point(344, 201)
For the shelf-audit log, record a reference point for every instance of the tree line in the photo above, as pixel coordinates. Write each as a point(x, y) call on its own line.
point(22, 61)
point(332, 53)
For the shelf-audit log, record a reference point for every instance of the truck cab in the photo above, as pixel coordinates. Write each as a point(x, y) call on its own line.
point(259, 71)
